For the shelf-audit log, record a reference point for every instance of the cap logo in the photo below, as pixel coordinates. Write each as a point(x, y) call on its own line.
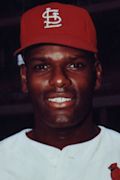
point(52, 18)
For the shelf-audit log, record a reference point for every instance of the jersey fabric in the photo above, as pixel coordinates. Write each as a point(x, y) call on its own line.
point(24, 159)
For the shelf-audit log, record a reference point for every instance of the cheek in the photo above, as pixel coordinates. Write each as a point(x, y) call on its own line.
point(84, 86)
point(36, 84)
point(83, 82)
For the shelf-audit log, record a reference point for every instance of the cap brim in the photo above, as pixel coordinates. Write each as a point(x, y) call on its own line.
point(60, 40)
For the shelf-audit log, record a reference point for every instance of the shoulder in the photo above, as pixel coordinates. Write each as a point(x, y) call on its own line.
point(110, 136)
point(110, 132)
point(10, 143)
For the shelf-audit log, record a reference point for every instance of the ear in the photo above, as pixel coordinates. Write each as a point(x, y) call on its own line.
point(23, 75)
point(99, 75)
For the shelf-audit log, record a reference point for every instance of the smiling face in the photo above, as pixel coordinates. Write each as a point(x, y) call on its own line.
point(61, 82)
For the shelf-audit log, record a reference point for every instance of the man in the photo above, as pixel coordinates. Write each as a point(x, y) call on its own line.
point(61, 72)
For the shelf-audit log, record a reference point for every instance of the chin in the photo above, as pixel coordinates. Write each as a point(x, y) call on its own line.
point(61, 122)
point(60, 125)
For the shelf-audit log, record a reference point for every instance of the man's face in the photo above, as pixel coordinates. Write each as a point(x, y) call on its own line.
point(61, 82)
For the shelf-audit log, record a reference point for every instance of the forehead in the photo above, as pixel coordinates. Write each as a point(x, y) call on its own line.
point(53, 48)
point(55, 52)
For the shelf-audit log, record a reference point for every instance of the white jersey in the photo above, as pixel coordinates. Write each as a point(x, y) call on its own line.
point(24, 159)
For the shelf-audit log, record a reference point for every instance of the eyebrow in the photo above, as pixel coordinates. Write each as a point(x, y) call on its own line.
point(79, 57)
point(33, 59)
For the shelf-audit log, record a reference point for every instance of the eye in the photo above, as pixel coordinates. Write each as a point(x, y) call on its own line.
point(76, 66)
point(41, 67)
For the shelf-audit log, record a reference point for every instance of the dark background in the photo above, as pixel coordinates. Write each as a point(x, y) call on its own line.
point(15, 108)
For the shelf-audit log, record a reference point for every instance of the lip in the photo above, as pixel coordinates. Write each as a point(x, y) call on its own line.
point(62, 95)
point(60, 100)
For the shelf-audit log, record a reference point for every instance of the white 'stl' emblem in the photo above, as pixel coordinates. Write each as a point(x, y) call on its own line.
point(52, 18)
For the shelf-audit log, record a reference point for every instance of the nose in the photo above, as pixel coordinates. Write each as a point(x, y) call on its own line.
point(60, 79)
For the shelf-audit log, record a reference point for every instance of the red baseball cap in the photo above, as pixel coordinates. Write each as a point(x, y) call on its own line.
point(56, 23)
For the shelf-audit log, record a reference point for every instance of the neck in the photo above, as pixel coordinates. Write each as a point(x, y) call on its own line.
point(61, 137)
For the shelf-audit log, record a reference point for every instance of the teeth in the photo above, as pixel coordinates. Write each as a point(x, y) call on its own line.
point(59, 99)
